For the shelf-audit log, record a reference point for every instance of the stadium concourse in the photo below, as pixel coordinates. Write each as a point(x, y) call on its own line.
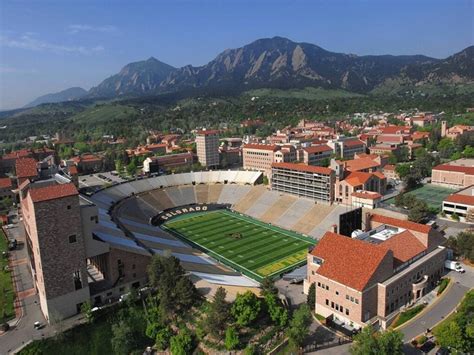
point(126, 211)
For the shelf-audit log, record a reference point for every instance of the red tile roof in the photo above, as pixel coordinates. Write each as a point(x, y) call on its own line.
point(357, 178)
point(404, 246)
point(462, 199)
point(383, 147)
point(52, 192)
point(348, 261)
point(367, 195)
point(417, 227)
point(395, 129)
point(361, 164)
point(318, 149)
point(207, 132)
point(303, 167)
point(468, 170)
point(5, 183)
point(73, 170)
point(389, 167)
point(26, 167)
point(271, 147)
point(90, 158)
point(379, 175)
point(354, 143)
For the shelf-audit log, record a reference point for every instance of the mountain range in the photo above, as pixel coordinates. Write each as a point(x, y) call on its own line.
point(281, 63)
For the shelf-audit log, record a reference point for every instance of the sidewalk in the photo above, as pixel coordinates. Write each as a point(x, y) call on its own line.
point(26, 302)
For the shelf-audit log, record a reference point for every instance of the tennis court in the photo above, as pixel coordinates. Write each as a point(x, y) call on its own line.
point(433, 195)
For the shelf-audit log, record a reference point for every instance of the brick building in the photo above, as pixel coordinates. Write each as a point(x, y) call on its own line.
point(55, 243)
point(316, 155)
point(207, 148)
point(401, 262)
point(259, 157)
point(455, 174)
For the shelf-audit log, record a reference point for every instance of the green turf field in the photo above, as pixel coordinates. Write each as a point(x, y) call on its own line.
point(433, 195)
point(252, 247)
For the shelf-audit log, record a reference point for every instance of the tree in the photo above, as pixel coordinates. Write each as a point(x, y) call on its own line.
point(299, 326)
point(163, 337)
point(175, 292)
point(446, 147)
point(365, 342)
point(418, 211)
point(278, 313)
point(267, 286)
point(182, 344)
point(231, 338)
point(131, 168)
point(391, 343)
point(122, 338)
point(370, 342)
point(462, 244)
point(218, 313)
point(246, 308)
point(86, 310)
point(402, 170)
point(450, 335)
point(311, 298)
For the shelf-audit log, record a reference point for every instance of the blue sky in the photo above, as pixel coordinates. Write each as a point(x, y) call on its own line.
point(47, 46)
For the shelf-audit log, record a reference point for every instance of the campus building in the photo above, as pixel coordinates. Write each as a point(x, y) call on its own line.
point(207, 148)
point(455, 174)
point(460, 203)
point(56, 247)
point(259, 157)
point(316, 155)
point(369, 277)
point(313, 182)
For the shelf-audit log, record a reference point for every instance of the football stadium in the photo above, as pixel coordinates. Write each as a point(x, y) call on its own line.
point(256, 249)
point(225, 227)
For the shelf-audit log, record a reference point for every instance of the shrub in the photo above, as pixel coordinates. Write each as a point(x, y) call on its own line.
point(442, 285)
point(182, 344)
point(421, 339)
point(455, 217)
point(231, 338)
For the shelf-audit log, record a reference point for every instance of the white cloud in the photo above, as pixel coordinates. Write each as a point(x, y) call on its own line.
point(28, 42)
point(73, 29)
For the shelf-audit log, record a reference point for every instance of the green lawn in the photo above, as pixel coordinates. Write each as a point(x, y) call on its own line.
point(431, 194)
point(252, 247)
point(83, 339)
point(7, 294)
point(408, 314)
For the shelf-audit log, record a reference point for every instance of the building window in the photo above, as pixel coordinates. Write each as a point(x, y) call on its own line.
point(133, 266)
point(352, 299)
point(72, 238)
point(337, 292)
point(356, 301)
point(347, 297)
point(68, 207)
point(327, 302)
point(332, 304)
point(77, 280)
point(327, 287)
point(347, 312)
point(319, 284)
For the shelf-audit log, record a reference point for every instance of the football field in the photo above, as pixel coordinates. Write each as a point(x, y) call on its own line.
point(251, 247)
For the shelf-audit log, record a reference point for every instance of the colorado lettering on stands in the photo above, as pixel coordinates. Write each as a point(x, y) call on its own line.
point(177, 212)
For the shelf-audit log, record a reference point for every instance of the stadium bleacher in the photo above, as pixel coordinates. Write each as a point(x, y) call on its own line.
point(142, 199)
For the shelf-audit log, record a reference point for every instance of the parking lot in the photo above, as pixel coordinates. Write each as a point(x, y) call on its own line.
point(93, 182)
